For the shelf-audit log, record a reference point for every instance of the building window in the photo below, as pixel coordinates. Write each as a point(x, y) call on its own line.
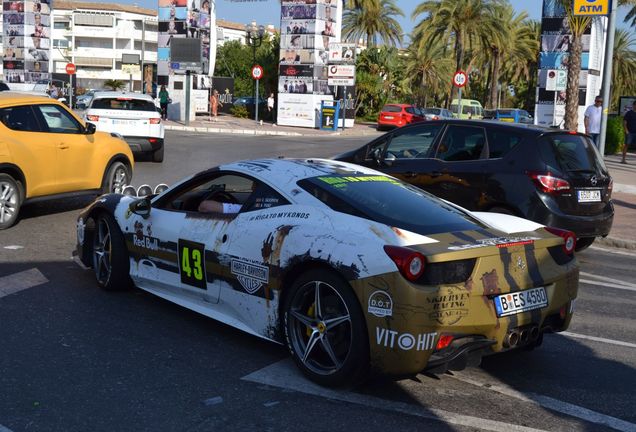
point(60, 43)
point(61, 25)
point(97, 20)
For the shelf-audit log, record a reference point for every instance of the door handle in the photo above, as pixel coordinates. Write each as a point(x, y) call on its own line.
point(62, 146)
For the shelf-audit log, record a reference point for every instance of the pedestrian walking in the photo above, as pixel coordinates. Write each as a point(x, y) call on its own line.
point(164, 100)
point(629, 124)
point(270, 106)
point(214, 104)
point(592, 120)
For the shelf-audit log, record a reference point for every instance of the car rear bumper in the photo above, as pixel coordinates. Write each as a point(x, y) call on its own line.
point(549, 214)
point(143, 144)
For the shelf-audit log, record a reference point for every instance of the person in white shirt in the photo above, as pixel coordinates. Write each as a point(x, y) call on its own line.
point(592, 120)
point(270, 106)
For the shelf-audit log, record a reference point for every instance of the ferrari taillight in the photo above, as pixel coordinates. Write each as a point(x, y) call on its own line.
point(569, 238)
point(548, 183)
point(155, 121)
point(443, 342)
point(410, 263)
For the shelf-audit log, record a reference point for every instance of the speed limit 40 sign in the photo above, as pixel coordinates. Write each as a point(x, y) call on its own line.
point(257, 72)
point(460, 78)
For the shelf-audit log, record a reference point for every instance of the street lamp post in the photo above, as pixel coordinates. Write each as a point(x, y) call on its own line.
point(254, 38)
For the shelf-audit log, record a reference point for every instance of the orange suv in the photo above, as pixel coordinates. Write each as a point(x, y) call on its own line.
point(47, 151)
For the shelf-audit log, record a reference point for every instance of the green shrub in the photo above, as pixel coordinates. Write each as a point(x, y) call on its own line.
point(239, 111)
point(615, 137)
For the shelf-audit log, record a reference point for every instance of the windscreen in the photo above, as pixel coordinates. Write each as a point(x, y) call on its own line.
point(125, 104)
point(392, 108)
point(389, 201)
point(576, 153)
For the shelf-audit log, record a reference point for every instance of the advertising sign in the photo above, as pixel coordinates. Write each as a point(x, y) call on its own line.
point(557, 80)
point(339, 71)
point(591, 7)
point(342, 52)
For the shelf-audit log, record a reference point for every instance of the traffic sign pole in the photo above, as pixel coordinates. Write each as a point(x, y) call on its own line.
point(257, 74)
point(459, 80)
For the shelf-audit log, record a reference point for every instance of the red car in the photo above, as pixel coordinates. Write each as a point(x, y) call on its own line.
point(396, 115)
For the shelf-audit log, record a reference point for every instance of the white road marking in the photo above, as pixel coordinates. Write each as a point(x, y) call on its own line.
point(613, 251)
point(605, 278)
point(21, 281)
point(598, 339)
point(285, 374)
point(552, 404)
point(607, 285)
point(14, 247)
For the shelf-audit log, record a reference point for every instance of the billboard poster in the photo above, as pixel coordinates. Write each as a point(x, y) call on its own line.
point(308, 28)
point(27, 40)
point(194, 19)
point(556, 43)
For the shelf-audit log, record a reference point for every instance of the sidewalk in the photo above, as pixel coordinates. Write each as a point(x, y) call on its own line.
point(623, 233)
point(235, 125)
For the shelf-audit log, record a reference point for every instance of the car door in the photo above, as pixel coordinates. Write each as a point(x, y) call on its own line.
point(75, 148)
point(31, 149)
point(406, 153)
point(460, 165)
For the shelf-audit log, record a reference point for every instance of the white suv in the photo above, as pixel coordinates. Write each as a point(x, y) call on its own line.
point(132, 115)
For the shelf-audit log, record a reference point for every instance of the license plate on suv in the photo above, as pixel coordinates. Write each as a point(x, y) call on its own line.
point(521, 301)
point(588, 195)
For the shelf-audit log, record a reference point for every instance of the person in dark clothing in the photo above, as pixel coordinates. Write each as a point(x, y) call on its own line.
point(629, 124)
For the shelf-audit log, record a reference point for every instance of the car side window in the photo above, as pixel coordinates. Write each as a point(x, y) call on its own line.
point(58, 120)
point(376, 147)
point(20, 118)
point(413, 143)
point(263, 197)
point(462, 143)
point(500, 142)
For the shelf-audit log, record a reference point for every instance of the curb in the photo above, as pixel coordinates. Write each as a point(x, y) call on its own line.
point(616, 243)
point(240, 131)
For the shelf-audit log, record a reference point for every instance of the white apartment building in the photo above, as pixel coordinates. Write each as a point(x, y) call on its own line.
point(94, 36)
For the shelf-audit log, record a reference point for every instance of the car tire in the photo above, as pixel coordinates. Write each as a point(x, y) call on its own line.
point(116, 178)
point(10, 200)
point(325, 330)
point(111, 263)
point(157, 155)
point(584, 243)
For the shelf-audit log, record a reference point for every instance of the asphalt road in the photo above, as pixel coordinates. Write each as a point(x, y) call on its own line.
point(75, 358)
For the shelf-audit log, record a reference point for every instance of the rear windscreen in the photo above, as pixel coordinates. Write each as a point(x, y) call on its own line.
point(433, 111)
point(574, 153)
point(392, 108)
point(123, 104)
point(389, 201)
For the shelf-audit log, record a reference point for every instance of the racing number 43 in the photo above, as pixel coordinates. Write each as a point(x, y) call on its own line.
point(192, 263)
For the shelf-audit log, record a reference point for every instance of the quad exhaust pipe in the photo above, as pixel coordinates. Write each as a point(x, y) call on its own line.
point(521, 336)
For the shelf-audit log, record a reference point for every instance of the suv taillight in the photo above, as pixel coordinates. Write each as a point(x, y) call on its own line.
point(548, 183)
point(155, 121)
point(92, 118)
point(569, 238)
point(409, 262)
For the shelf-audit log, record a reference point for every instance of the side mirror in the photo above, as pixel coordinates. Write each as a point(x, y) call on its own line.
point(141, 207)
point(90, 129)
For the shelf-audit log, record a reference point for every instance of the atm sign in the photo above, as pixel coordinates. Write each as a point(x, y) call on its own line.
point(591, 7)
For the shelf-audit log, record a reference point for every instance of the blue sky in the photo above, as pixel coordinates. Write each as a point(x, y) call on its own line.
point(268, 12)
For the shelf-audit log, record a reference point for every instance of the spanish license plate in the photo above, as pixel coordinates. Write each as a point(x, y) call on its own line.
point(125, 122)
point(589, 195)
point(521, 301)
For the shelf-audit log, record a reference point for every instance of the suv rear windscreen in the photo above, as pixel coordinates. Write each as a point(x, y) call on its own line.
point(126, 104)
point(389, 201)
point(573, 153)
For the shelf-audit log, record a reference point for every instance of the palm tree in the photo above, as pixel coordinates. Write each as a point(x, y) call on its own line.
point(631, 15)
point(371, 20)
point(114, 84)
point(427, 67)
point(460, 22)
point(578, 25)
point(624, 65)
